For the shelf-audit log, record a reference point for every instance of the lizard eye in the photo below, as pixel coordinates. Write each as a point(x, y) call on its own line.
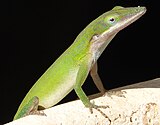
point(112, 20)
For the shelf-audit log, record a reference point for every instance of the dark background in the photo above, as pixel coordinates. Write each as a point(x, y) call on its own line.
point(34, 34)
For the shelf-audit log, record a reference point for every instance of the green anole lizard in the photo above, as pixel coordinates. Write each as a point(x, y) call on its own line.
point(71, 69)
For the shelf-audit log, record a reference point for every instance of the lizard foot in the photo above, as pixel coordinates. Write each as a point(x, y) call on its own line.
point(96, 107)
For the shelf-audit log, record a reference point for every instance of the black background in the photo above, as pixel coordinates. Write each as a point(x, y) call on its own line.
point(34, 34)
